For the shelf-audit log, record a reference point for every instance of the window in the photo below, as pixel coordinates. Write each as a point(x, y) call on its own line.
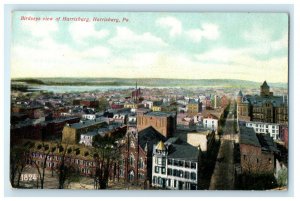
point(156, 169)
point(244, 157)
point(154, 180)
point(180, 173)
point(169, 171)
point(169, 161)
point(141, 163)
point(193, 165)
point(186, 175)
point(175, 163)
point(131, 160)
point(141, 176)
point(163, 170)
point(193, 176)
point(181, 163)
point(159, 161)
point(174, 172)
point(159, 180)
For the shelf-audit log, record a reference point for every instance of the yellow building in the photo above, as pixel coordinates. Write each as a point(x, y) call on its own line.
point(71, 133)
point(156, 108)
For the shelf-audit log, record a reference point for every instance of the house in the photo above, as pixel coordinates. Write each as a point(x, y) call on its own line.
point(87, 138)
point(211, 122)
point(175, 165)
point(256, 152)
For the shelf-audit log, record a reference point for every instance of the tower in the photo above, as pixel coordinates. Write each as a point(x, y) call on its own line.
point(265, 89)
point(239, 97)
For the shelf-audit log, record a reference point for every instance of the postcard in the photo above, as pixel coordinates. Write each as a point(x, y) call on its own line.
point(149, 100)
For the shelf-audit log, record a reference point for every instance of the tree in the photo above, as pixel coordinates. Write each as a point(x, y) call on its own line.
point(17, 163)
point(45, 151)
point(106, 155)
point(103, 104)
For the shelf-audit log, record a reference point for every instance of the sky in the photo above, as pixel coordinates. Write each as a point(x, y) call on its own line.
point(246, 46)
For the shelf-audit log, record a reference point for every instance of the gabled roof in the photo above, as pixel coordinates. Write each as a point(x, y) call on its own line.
point(149, 136)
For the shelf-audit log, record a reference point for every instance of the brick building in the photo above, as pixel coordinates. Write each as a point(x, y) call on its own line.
point(136, 155)
point(257, 152)
point(163, 122)
point(263, 108)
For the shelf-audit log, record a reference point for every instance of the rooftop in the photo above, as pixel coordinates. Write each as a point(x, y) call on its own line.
point(182, 150)
point(160, 114)
point(85, 124)
point(248, 136)
point(148, 137)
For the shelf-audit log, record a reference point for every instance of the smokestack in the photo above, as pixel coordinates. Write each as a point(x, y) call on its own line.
point(215, 101)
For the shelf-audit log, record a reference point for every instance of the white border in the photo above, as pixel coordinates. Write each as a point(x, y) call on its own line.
point(213, 6)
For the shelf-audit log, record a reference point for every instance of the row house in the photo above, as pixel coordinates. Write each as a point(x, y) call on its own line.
point(174, 168)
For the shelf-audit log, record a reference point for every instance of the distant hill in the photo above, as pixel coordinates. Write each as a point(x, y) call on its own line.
point(149, 82)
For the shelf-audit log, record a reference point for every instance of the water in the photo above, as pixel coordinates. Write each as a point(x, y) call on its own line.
point(69, 88)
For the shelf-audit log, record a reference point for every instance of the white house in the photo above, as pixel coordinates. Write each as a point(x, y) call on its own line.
point(87, 138)
point(174, 169)
point(88, 116)
point(264, 128)
point(211, 122)
point(120, 118)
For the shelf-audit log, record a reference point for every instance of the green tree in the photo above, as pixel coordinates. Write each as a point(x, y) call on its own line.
point(103, 104)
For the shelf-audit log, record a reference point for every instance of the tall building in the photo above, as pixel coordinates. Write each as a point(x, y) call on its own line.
point(136, 155)
point(163, 122)
point(264, 108)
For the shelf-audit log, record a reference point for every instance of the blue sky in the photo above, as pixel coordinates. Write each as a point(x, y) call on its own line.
point(249, 46)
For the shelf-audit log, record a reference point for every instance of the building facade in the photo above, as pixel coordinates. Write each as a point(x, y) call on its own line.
point(265, 128)
point(136, 155)
point(264, 108)
point(173, 168)
point(163, 122)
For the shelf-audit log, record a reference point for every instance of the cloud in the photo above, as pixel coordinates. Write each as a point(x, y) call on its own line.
point(262, 39)
point(48, 58)
point(170, 23)
point(39, 28)
point(82, 30)
point(207, 31)
point(125, 38)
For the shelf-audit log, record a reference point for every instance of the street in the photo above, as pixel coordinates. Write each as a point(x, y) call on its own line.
point(223, 175)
